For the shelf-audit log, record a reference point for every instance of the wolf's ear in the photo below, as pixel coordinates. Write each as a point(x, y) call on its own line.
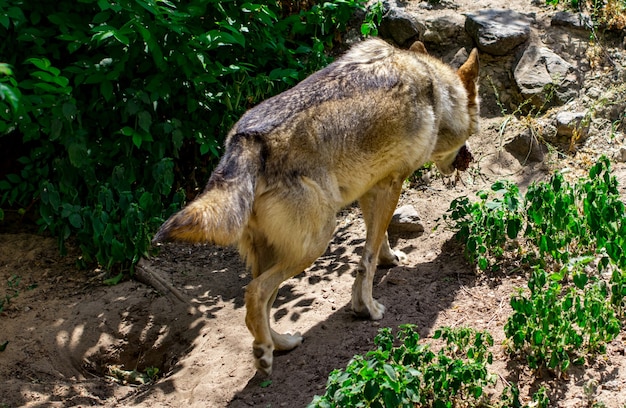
point(469, 73)
point(418, 47)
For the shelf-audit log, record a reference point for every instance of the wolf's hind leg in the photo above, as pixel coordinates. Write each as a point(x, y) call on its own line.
point(296, 248)
point(283, 341)
point(377, 206)
point(258, 295)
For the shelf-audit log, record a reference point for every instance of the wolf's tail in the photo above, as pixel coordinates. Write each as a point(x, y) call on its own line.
point(221, 212)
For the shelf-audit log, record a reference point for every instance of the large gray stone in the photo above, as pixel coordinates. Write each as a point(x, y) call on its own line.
point(569, 122)
point(572, 20)
point(497, 32)
point(400, 27)
point(545, 78)
point(406, 219)
point(444, 30)
point(526, 148)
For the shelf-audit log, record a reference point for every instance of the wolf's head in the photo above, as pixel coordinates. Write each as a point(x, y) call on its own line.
point(450, 143)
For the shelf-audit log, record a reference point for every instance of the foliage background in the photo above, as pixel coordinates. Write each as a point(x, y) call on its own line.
point(112, 113)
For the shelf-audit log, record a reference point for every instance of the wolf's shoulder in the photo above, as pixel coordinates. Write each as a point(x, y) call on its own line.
point(366, 52)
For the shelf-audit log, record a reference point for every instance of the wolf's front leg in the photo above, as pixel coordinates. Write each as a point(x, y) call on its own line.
point(363, 303)
point(377, 206)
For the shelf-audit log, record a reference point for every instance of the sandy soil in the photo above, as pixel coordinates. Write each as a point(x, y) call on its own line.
point(74, 342)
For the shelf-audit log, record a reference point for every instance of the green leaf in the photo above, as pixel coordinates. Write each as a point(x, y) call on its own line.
point(580, 280)
point(114, 280)
point(106, 89)
point(4, 21)
point(78, 155)
point(391, 372)
point(390, 398)
point(122, 38)
point(513, 227)
point(7, 93)
point(76, 220)
point(145, 201)
point(127, 131)
point(69, 110)
point(145, 120)
point(371, 390)
point(538, 337)
point(137, 139)
point(41, 63)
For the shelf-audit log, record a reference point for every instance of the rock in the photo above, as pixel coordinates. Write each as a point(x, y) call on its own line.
point(425, 5)
point(545, 78)
point(612, 385)
point(579, 21)
point(497, 32)
point(526, 148)
point(406, 219)
point(400, 27)
point(459, 58)
point(620, 156)
point(567, 122)
point(593, 92)
point(448, 29)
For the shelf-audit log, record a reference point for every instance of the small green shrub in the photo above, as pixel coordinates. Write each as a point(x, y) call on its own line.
point(552, 223)
point(12, 291)
point(411, 374)
point(558, 324)
point(563, 231)
point(486, 226)
point(608, 14)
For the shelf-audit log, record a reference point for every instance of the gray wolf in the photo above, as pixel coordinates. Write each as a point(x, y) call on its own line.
point(354, 130)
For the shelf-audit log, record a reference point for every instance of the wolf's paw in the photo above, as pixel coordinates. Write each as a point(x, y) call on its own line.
point(375, 311)
point(393, 258)
point(401, 258)
point(263, 358)
point(286, 341)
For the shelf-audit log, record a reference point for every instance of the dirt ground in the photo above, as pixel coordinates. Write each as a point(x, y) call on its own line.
point(73, 341)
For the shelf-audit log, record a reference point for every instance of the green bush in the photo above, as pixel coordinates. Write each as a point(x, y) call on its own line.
point(552, 223)
point(563, 231)
point(486, 226)
point(113, 113)
point(556, 324)
point(411, 374)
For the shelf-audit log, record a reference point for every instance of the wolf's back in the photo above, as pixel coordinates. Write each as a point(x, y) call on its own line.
point(220, 214)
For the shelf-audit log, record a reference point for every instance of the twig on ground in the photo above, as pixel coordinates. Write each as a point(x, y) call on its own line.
point(145, 274)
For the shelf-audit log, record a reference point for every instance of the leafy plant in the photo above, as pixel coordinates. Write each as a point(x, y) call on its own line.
point(557, 221)
point(13, 291)
point(152, 373)
point(610, 13)
point(373, 18)
point(557, 324)
point(563, 230)
point(112, 114)
point(411, 374)
point(484, 226)
point(554, 222)
point(510, 398)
